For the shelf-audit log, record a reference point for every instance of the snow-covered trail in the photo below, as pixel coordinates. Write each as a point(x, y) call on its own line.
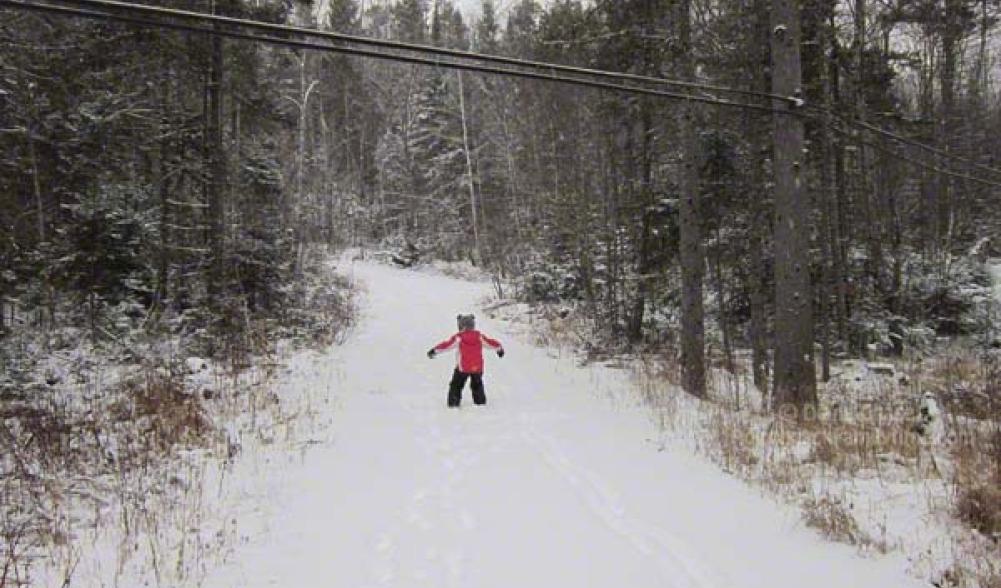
point(552, 484)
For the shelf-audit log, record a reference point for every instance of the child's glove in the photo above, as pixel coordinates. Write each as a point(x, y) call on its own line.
point(431, 353)
point(500, 353)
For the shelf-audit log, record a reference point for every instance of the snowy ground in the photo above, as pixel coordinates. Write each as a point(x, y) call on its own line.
point(556, 482)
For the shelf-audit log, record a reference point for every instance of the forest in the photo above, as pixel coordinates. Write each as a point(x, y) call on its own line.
point(153, 175)
point(821, 187)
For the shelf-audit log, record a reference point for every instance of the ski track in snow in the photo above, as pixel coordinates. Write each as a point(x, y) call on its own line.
point(549, 485)
point(676, 565)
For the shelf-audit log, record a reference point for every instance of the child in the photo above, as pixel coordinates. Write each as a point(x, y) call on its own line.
point(469, 364)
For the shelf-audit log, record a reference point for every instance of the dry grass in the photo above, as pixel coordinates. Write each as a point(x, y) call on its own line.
point(124, 454)
point(970, 383)
point(832, 518)
point(977, 479)
point(58, 450)
point(848, 448)
point(130, 461)
point(979, 505)
point(967, 381)
point(736, 442)
point(973, 571)
point(168, 416)
point(557, 327)
point(859, 433)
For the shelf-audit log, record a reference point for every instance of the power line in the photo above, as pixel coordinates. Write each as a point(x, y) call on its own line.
point(925, 147)
point(152, 16)
point(932, 167)
point(818, 113)
point(347, 40)
point(895, 153)
point(450, 63)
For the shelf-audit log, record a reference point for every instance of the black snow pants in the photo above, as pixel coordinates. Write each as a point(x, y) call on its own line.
point(459, 382)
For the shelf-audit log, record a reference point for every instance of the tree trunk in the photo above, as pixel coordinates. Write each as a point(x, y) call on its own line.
point(983, 58)
point(300, 164)
point(839, 212)
point(477, 253)
point(865, 192)
point(951, 41)
point(512, 185)
point(298, 217)
point(760, 133)
point(692, 248)
point(820, 14)
point(217, 168)
point(724, 315)
point(635, 331)
point(643, 270)
point(36, 185)
point(795, 382)
point(160, 159)
point(826, 196)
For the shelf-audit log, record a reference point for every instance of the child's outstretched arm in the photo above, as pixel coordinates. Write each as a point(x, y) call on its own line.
point(445, 345)
point(493, 344)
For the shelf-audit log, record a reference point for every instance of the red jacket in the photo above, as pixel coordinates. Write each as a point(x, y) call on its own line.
point(470, 344)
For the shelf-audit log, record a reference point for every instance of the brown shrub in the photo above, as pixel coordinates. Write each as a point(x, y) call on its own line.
point(735, 439)
point(834, 521)
point(167, 414)
point(979, 505)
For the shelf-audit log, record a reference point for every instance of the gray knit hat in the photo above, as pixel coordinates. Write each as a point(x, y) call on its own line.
point(466, 322)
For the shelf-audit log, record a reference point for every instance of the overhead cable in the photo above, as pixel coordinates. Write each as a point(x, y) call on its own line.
point(250, 30)
point(426, 49)
point(63, 8)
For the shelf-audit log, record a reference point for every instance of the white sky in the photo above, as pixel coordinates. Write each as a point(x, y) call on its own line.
point(470, 8)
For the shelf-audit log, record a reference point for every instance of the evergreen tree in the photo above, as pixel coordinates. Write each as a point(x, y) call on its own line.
point(410, 21)
point(487, 29)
